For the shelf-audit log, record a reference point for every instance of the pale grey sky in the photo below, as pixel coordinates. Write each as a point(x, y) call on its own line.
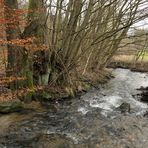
point(142, 24)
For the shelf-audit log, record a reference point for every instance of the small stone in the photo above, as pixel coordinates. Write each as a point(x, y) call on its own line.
point(124, 107)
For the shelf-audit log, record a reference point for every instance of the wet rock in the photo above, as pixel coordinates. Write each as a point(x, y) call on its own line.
point(51, 107)
point(143, 88)
point(124, 107)
point(54, 141)
point(9, 107)
point(146, 114)
point(144, 94)
point(144, 97)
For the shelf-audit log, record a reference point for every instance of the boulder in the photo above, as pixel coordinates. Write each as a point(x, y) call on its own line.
point(124, 107)
point(144, 97)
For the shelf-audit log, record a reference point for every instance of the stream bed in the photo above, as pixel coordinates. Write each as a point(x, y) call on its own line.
point(90, 121)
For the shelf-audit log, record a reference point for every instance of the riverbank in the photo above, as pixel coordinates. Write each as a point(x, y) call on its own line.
point(16, 101)
point(137, 67)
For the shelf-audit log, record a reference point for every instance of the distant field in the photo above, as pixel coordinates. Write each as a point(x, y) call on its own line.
point(128, 61)
point(145, 57)
point(130, 58)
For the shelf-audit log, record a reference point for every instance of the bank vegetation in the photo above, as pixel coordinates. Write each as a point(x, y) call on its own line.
point(62, 45)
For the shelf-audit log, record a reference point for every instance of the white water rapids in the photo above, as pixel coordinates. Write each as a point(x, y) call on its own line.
point(122, 88)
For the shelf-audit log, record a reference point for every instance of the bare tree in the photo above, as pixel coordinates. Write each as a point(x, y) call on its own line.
point(73, 35)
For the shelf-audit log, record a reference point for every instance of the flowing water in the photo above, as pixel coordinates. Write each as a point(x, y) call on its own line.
point(91, 121)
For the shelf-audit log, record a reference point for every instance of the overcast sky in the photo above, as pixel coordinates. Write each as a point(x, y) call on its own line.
point(142, 24)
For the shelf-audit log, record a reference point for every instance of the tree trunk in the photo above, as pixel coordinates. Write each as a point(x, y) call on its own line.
point(18, 61)
point(37, 28)
point(12, 32)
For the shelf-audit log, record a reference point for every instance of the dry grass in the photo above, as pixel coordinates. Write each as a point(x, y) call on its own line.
point(128, 61)
point(130, 58)
point(127, 58)
point(98, 75)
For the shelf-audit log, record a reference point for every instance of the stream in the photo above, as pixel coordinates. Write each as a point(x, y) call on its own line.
point(89, 121)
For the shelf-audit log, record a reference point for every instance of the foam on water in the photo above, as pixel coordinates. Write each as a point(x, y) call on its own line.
point(83, 110)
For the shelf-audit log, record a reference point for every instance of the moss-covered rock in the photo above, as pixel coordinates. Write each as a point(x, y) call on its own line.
point(49, 96)
point(124, 107)
point(9, 107)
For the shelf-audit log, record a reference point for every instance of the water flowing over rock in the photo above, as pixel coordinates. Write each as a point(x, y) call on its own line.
point(91, 121)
